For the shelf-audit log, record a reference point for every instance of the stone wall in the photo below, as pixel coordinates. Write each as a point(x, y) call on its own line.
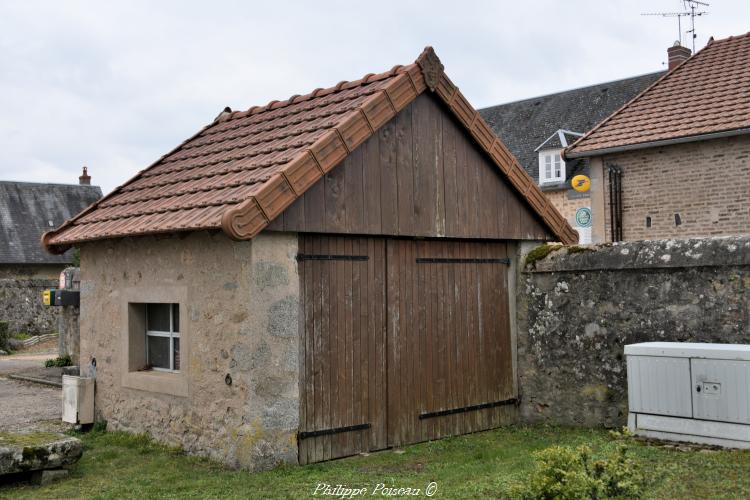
point(579, 306)
point(706, 183)
point(21, 305)
point(68, 327)
point(236, 398)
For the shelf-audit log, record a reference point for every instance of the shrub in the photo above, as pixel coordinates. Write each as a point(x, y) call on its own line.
point(59, 361)
point(75, 257)
point(567, 473)
point(20, 336)
point(4, 337)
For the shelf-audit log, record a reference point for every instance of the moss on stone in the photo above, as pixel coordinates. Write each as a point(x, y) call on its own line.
point(28, 439)
point(580, 249)
point(539, 253)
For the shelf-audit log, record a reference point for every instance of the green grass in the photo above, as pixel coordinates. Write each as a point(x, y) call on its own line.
point(117, 465)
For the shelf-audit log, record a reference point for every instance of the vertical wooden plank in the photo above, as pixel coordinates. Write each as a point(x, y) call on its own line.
point(371, 186)
point(387, 170)
point(405, 171)
point(335, 200)
point(334, 366)
point(506, 354)
point(503, 205)
point(425, 354)
point(322, 409)
point(380, 341)
point(394, 347)
point(454, 376)
point(361, 304)
point(414, 353)
point(489, 307)
point(294, 216)
point(475, 336)
point(405, 337)
point(348, 386)
point(425, 167)
point(354, 196)
point(468, 224)
point(430, 308)
point(452, 222)
point(315, 207)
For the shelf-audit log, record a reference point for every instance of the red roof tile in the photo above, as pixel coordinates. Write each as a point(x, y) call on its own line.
point(245, 168)
point(708, 93)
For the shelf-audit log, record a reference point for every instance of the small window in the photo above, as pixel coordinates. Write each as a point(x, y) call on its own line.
point(163, 337)
point(551, 167)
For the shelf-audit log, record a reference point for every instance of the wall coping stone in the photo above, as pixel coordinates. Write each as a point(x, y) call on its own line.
point(647, 254)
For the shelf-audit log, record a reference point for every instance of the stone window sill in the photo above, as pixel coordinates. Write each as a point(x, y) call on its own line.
point(156, 381)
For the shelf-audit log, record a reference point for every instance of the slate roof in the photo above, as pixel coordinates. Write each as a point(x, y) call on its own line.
point(707, 94)
point(29, 209)
point(525, 125)
point(241, 171)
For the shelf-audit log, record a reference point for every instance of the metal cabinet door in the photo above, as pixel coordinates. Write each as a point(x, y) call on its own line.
point(659, 385)
point(721, 390)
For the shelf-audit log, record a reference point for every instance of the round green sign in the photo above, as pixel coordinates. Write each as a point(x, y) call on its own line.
point(583, 217)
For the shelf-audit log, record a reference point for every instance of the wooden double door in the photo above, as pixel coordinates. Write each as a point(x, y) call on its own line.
point(402, 341)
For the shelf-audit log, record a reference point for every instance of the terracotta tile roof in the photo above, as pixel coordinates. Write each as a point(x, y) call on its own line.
point(241, 171)
point(708, 93)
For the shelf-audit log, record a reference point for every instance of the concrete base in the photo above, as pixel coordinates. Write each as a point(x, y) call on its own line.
point(41, 477)
point(688, 430)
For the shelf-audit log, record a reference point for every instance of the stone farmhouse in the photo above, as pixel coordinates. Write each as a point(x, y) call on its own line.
point(313, 278)
point(675, 161)
point(27, 210)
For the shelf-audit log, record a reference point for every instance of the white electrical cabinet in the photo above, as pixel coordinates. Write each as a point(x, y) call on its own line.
point(690, 392)
point(78, 399)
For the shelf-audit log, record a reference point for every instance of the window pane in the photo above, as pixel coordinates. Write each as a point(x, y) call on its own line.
point(158, 351)
point(176, 341)
point(158, 317)
point(175, 317)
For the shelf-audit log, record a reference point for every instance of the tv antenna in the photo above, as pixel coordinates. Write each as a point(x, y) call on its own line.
point(691, 9)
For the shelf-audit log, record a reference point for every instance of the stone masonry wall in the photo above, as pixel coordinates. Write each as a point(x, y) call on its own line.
point(579, 306)
point(21, 305)
point(242, 323)
point(706, 182)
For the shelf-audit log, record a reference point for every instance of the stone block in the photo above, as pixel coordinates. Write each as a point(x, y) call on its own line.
point(36, 451)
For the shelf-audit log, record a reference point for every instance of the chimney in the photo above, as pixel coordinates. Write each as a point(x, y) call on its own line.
point(677, 54)
point(85, 179)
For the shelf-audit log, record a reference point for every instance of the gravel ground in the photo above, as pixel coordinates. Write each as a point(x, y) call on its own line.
point(26, 406)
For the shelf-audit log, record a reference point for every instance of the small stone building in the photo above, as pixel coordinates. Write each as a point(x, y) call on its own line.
point(317, 277)
point(675, 161)
point(27, 210)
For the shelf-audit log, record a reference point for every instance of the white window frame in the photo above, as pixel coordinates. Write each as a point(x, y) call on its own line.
point(171, 334)
point(552, 154)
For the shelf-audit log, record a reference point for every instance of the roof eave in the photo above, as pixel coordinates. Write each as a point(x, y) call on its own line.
point(570, 155)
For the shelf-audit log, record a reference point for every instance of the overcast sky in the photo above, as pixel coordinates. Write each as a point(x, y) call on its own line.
point(116, 85)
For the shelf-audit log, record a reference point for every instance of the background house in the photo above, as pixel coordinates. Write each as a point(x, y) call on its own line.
point(536, 131)
point(27, 210)
point(313, 278)
point(675, 162)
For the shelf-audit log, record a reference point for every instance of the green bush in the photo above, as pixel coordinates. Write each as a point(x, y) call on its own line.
point(571, 473)
point(58, 361)
point(21, 336)
point(75, 257)
point(4, 336)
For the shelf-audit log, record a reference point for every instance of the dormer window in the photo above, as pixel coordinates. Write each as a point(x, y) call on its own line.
point(551, 166)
